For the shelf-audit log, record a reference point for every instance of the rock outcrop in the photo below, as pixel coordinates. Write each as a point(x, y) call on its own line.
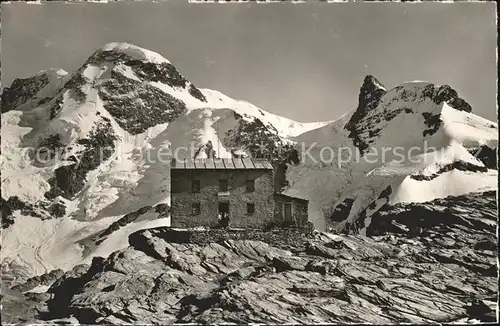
point(169, 276)
point(473, 213)
point(22, 90)
point(369, 97)
point(375, 109)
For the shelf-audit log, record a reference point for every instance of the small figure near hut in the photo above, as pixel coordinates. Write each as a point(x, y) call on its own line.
point(209, 151)
point(223, 219)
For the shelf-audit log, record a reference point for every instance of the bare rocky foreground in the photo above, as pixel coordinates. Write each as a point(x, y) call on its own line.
point(446, 274)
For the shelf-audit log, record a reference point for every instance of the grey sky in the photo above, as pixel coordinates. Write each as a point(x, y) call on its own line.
point(302, 61)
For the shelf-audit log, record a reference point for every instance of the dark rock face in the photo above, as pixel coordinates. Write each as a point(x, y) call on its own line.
point(57, 210)
point(341, 211)
point(27, 307)
point(12, 204)
point(99, 146)
point(45, 279)
point(457, 165)
point(22, 90)
point(447, 94)
point(44, 100)
point(432, 121)
point(263, 142)
point(486, 155)
point(169, 276)
point(48, 148)
point(369, 97)
point(41, 209)
point(52, 142)
point(16, 307)
point(56, 107)
point(122, 222)
point(471, 211)
point(484, 310)
point(74, 85)
point(137, 106)
point(195, 92)
point(287, 154)
point(382, 198)
point(63, 288)
point(89, 243)
point(254, 136)
point(367, 123)
point(163, 73)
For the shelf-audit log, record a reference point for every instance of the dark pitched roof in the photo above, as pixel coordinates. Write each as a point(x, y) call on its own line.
point(221, 164)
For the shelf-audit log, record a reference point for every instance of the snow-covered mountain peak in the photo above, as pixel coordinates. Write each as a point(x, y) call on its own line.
point(91, 146)
point(112, 120)
point(135, 52)
point(371, 91)
point(413, 106)
point(369, 96)
point(26, 93)
point(53, 73)
point(370, 84)
point(417, 142)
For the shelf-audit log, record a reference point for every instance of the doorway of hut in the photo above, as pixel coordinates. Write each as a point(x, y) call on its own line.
point(223, 214)
point(288, 212)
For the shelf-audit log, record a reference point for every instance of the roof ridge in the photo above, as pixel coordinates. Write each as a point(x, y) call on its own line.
point(232, 163)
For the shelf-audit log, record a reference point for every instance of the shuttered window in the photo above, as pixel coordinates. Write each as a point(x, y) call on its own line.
point(250, 185)
point(223, 185)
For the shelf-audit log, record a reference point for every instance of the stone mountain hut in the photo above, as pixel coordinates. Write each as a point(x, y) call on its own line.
point(241, 189)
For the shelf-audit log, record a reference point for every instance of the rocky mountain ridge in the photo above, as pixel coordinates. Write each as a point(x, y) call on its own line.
point(89, 144)
point(446, 274)
point(413, 143)
point(86, 234)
